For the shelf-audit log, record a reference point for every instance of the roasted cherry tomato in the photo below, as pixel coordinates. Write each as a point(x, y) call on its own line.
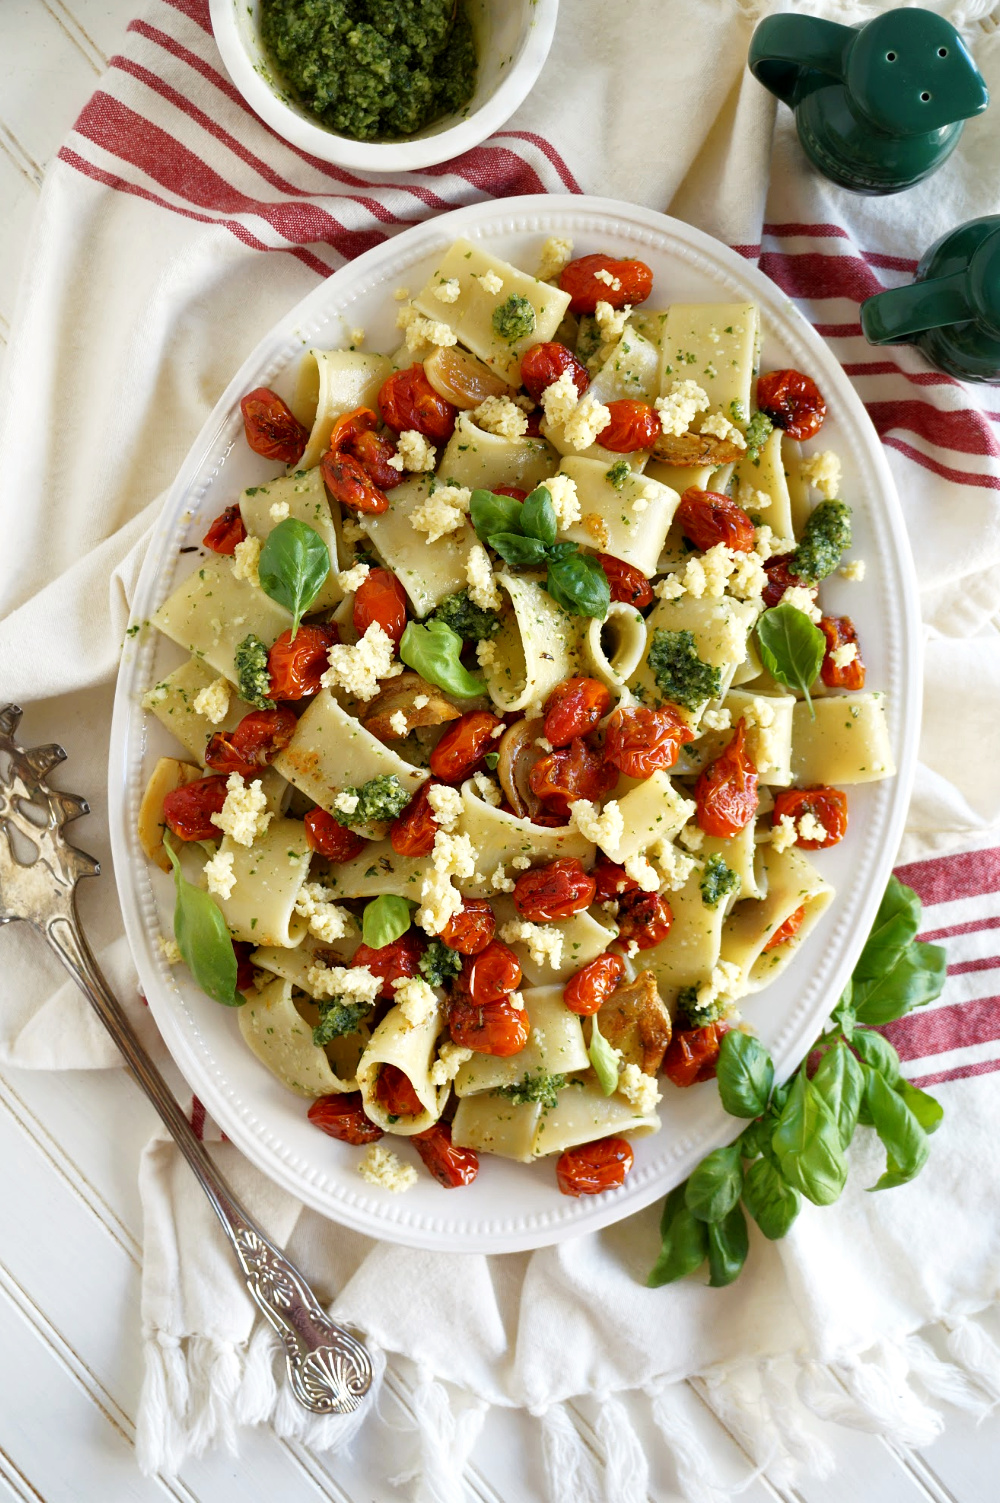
point(573, 708)
point(693, 1054)
point(393, 962)
point(412, 833)
point(271, 427)
point(514, 491)
point(726, 791)
point(471, 929)
point(226, 531)
point(344, 1117)
point(786, 931)
point(709, 517)
point(626, 282)
point(450, 1165)
point(464, 745)
point(348, 482)
point(628, 583)
point(640, 741)
point(573, 772)
point(839, 633)
point(545, 363)
point(591, 987)
point(592, 1168)
point(354, 434)
point(188, 811)
point(612, 880)
point(255, 742)
point(826, 805)
point(533, 430)
point(408, 400)
point(297, 667)
point(489, 975)
point(394, 1090)
point(644, 918)
point(244, 969)
point(556, 891)
point(792, 401)
point(633, 426)
point(329, 838)
point(381, 598)
point(780, 578)
point(499, 1028)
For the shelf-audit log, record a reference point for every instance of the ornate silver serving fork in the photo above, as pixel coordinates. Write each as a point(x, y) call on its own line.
point(328, 1368)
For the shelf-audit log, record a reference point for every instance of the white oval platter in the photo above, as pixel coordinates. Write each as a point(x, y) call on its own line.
point(511, 1206)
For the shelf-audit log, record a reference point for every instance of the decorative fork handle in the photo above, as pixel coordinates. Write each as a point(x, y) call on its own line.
point(329, 1370)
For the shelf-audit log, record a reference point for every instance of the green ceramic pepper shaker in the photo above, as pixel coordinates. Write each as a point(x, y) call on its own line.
point(878, 107)
point(952, 310)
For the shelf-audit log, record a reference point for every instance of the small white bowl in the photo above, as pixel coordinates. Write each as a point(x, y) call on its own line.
point(513, 38)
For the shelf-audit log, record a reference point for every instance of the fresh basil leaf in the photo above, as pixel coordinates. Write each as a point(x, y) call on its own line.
point(840, 1081)
point(579, 584)
point(878, 1053)
point(745, 1074)
point(896, 924)
point(906, 1142)
point(772, 1204)
point(491, 759)
point(385, 918)
point(491, 513)
point(728, 1245)
point(927, 1109)
point(561, 550)
point(294, 563)
point(843, 1014)
point(517, 550)
point(435, 652)
point(714, 1187)
point(914, 978)
point(791, 648)
point(203, 938)
point(603, 1058)
point(807, 1143)
point(780, 1095)
point(685, 1242)
point(538, 516)
point(756, 1138)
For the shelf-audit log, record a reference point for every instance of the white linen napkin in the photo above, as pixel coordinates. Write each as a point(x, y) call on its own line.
point(173, 231)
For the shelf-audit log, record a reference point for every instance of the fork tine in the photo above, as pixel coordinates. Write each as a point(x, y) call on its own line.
point(42, 759)
point(10, 718)
point(71, 806)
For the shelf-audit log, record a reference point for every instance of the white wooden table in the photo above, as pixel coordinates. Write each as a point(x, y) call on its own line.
point(70, 1224)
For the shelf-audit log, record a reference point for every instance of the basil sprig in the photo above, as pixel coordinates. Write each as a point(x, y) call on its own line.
point(435, 652)
point(795, 1146)
point(524, 535)
point(791, 648)
point(202, 938)
point(294, 563)
point(385, 919)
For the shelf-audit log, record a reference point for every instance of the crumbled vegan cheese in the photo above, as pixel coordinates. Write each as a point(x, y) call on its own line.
point(479, 574)
point(802, 599)
point(245, 814)
point(443, 511)
point(453, 855)
point(448, 1063)
point(487, 789)
point(609, 280)
point(544, 941)
point(501, 416)
point(692, 838)
point(351, 532)
point(521, 863)
point(490, 282)
point(767, 545)
point(588, 419)
point(717, 720)
point(640, 1090)
point(446, 806)
point(556, 256)
point(810, 828)
point(401, 294)
point(500, 881)
point(278, 511)
point(347, 983)
point(670, 587)
point(415, 1000)
point(381, 1167)
point(421, 331)
point(346, 802)
point(398, 723)
point(639, 869)
point(726, 981)
point(783, 833)
point(748, 579)
point(517, 1003)
point(213, 700)
point(839, 657)
point(326, 920)
point(351, 580)
point(219, 875)
point(642, 500)
point(679, 407)
point(854, 570)
point(170, 949)
point(720, 427)
point(448, 291)
point(413, 452)
point(358, 668)
point(486, 653)
point(246, 557)
point(751, 499)
point(357, 337)
point(440, 901)
point(565, 501)
point(604, 829)
point(560, 399)
point(611, 321)
point(675, 867)
point(823, 472)
point(420, 700)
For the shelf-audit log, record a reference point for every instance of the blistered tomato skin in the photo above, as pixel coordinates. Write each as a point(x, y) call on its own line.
point(567, 774)
point(329, 838)
point(593, 1168)
point(471, 929)
point(709, 517)
point(381, 598)
point(633, 426)
point(226, 531)
point(297, 667)
point(188, 810)
point(693, 1054)
point(354, 434)
point(413, 832)
point(780, 578)
point(514, 491)
point(726, 791)
point(395, 962)
point(489, 975)
point(612, 880)
point(587, 991)
point(407, 400)
point(825, 804)
point(839, 632)
point(348, 482)
point(586, 289)
point(394, 1091)
point(628, 584)
point(463, 746)
point(556, 891)
point(450, 1165)
point(786, 931)
point(644, 918)
point(255, 742)
point(640, 741)
point(244, 968)
point(271, 428)
point(344, 1117)
point(792, 401)
point(573, 708)
point(498, 1028)
point(543, 364)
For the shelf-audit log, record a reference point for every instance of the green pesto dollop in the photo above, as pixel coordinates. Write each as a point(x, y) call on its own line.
point(381, 798)
point(439, 964)
point(375, 70)
point(680, 674)
point(253, 677)
point(337, 1017)
point(514, 318)
point(473, 623)
point(692, 1014)
point(717, 881)
point(827, 533)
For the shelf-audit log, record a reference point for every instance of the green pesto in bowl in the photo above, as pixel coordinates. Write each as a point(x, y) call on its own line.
point(375, 70)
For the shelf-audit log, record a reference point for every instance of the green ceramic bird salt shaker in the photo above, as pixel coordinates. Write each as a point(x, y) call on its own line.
point(878, 107)
point(952, 310)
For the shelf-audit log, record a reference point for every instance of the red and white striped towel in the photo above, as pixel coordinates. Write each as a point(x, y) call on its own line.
point(174, 229)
